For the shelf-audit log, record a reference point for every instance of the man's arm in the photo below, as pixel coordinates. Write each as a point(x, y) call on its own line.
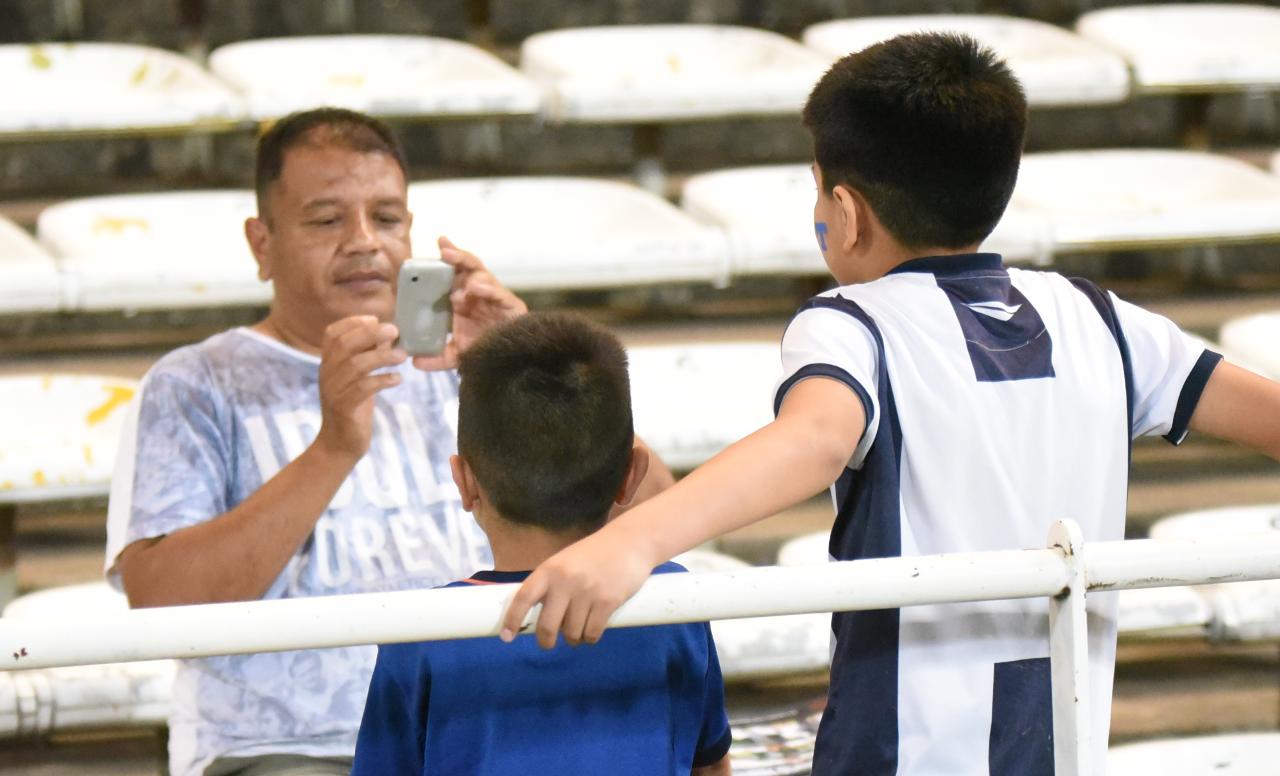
point(1240, 406)
point(799, 454)
point(237, 555)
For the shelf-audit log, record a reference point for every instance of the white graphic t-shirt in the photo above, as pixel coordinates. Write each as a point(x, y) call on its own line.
point(213, 422)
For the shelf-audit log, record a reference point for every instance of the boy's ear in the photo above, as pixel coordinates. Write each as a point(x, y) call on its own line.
point(465, 479)
point(258, 235)
point(636, 471)
point(851, 204)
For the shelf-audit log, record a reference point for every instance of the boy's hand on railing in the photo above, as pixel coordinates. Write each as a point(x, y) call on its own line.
point(579, 588)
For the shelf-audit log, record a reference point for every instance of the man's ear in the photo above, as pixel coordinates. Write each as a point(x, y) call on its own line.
point(851, 204)
point(636, 471)
point(465, 479)
point(258, 234)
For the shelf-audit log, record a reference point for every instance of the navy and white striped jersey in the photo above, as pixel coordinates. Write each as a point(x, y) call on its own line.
point(997, 402)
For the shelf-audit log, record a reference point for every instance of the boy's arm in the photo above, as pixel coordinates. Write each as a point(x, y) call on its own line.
point(803, 451)
point(722, 768)
point(1240, 406)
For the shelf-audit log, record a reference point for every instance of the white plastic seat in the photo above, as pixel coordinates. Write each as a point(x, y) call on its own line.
point(1242, 611)
point(1201, 47)
point(147, 251)
point(388, 75)
point(53, 700)
point(557, 233)
point(692, 401)
point(58, 434)
point(1256, 338)
point(28, 275)
point(1054, 66)
point(1113, 199)
point(1237, 754)
point(1275, 163)
point(669, 72)
point(767, 213)
point(101, 87)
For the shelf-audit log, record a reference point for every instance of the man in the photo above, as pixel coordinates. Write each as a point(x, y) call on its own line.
point(302, 456)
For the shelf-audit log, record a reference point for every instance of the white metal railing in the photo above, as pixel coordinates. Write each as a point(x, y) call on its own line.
point(1064, 572)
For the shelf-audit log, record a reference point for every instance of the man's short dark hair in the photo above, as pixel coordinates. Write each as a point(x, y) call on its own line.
point(929, 128)
point(544, 420)
point(322, 126)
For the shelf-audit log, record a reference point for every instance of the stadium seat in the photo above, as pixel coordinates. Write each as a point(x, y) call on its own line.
point(60, 700)
point(1192, 48)
point(1115, 199)
point(1242, 611)
point(154, 251)
point(692, 401)
point(1160, 612)
point(1255, 339)
point(1234, 754)
point(767, 213)
point(28, 276)
point(655, 73)
point(387, 75)
point(54, 88)
point(558, 233)
point(1055, 67)
point(1275, 163)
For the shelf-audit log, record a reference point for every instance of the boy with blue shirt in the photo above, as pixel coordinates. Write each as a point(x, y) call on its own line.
point(545, 449)
point(951, 405)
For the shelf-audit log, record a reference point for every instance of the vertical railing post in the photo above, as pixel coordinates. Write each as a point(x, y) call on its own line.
point(1069, 658)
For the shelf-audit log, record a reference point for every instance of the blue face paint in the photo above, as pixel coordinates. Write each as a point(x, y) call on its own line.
point(820, 229)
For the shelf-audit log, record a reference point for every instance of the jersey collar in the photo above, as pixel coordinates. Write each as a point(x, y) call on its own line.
point(490, 577)
point(955, 264)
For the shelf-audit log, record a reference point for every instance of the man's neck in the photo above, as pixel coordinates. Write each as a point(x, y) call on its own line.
point(277, 328)
point(519, 547)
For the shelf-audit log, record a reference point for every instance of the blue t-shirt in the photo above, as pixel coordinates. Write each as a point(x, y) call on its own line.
point(643, 701)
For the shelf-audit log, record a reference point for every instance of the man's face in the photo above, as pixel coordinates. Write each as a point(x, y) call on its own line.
point(337, 233)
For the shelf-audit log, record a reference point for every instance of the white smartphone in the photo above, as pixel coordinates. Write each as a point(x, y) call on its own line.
point(423, 312)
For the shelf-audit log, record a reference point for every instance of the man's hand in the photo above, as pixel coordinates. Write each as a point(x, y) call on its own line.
point(354, 348)
point(580, 587)
point(479, 301)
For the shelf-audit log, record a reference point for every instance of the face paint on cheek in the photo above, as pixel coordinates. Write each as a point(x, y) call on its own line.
point(820, 229)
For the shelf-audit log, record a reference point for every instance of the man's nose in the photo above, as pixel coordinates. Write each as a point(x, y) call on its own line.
point(362, 234)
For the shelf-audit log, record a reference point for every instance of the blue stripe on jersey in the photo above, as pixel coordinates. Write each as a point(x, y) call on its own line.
point(1106, 308)
point(1021, 742)
point(859, 729)
point(1190, 395)
point(834, 372)
point(1003, 331)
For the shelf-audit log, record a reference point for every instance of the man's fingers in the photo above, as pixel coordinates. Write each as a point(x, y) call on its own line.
point(531, 592)
point(554, 607)
point(461, 261)
point(596, 622)
point(574, 622)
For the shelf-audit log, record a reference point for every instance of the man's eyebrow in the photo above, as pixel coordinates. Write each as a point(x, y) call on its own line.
point(319, 203)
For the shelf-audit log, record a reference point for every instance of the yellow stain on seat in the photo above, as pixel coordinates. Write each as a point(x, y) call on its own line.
point(88, 454)
point(38, 477)
point(118, 225)
point(347, 79)
point(6, 485)
point(46, 383)
point(117, 396)
point(39, 59)
point(140, 74)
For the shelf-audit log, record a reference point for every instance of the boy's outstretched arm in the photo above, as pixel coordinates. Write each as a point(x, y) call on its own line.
point(1240, 406)
point(799, 454)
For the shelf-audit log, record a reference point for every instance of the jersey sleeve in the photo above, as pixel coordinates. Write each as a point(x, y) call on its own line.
point(1170, 370)
point(394, 727)
point(715, 736)
point(173, 464)
point(827, 341)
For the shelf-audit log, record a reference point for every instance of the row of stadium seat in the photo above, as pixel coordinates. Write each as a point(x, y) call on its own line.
point(614, 74)
point(186, 249)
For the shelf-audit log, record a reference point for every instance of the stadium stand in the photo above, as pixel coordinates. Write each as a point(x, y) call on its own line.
point(692, 401)
point(154, 251)
point(30, 277)
point(1126, 198)
point(559, 233)
point(1257, 339)
point(225, 21)
point(1190, 47)
point(668, 72)
point(1055, 67)
point(58, 438)
point(764, 211)
point(58, 88)
point(386, 75)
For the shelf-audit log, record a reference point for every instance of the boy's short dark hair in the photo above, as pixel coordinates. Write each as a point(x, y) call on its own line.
point(544, 420)
point(929, 128)
point(324, 126)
